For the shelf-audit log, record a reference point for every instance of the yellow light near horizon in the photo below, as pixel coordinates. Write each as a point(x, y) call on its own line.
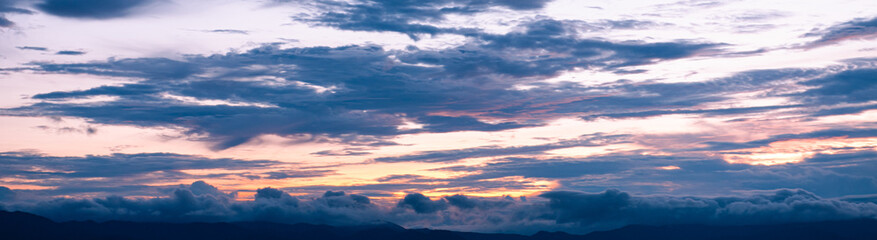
point(797, 150)
point(668, 168)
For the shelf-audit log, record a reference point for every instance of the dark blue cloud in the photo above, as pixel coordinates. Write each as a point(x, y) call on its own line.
point(578, 212)
point(704, 112)
point(288, 174)
point(853, 86)
point(231, 31)
point(829, 92)
point(464, 202)
point(124, 165)
point(203, 202)
point(6, 194)
point(696, 175)
point(93, 9)
point(69, 52)
point(10, 6)
point(42, 49)
point(5, 22)
point(613, 207)
point(654, 99)
point(856, 29)
point(269, 193)
point(828, 133)
point(352, 90)
point(422, 204)
point(134, 174)
point(399, 15)
point(342, 200)
point(152, 68)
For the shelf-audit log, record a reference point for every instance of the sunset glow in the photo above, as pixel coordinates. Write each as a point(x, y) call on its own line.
point(476, 115)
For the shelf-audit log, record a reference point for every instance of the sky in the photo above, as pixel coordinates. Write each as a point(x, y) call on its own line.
point(474, 115)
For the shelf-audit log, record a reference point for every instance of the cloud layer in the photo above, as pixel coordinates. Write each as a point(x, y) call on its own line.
point(577, 212)
point(351, 90)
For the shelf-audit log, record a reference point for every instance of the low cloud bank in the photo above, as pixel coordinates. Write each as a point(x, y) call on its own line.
point(576, 212)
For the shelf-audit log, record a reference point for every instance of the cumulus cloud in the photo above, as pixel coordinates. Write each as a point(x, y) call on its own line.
point(203, 202)
point(782, 206)
point(422, 204)
point(570, 211)
point(463, 202)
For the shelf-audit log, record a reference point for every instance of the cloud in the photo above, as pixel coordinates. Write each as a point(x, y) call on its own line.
point(202, 202)
point(42, 49)
point(133, 174)
point(288, 174)
point(820, 92)
point(6, 194)
point(90, 9)
point(270, 193)
point(69, 52)
point(655, 99)
point(344, 152)
point(5, 22)
point(577, 212)
point(422, 204)
point(557, 168)
point(598, 139)
point(782, 206)
point(230, 31)
point(10, 6)
point(853, 86)
point(852, 30)
point(463, 202)
point(400, 16)
point(827, 133)
point(351, 90)
point(693, 173)
point(124, 165)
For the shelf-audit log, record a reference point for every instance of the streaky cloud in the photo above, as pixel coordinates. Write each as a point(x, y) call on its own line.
point(851, 30)
point(69, 52)
point(399, 16)
point(589, 140)
point(350, 90)
point(90, 9)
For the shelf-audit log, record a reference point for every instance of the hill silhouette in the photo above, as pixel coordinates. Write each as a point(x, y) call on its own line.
point(21, 225)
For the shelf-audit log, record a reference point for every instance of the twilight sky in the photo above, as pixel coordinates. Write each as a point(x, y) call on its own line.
point(476, 115)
